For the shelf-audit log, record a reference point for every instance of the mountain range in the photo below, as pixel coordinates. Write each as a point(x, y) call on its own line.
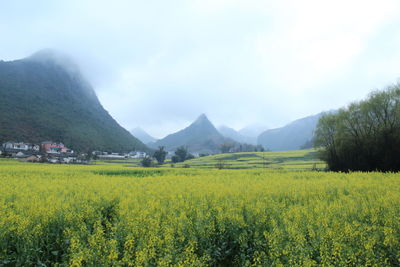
point(45, 97)
point(199, 137)
point(293, 136)
point(237, 135)
point(202, 137)
point(143, 136)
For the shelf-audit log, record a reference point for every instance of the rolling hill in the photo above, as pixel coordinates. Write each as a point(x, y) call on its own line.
point(45, 97)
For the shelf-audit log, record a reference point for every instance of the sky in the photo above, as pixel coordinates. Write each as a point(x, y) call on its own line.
point(160, 64)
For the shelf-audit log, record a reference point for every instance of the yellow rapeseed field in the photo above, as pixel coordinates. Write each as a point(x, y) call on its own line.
point(119, 216)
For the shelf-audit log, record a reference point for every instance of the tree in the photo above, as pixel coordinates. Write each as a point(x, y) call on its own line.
point(146, 162)
point(364, 136)
point(189, 156)
point(89, 155)
point(226, 147)
point(4, 153)
point(175, 159)
point(220, 165)
point(260, 148)
point(160, 155)
point(181, 154)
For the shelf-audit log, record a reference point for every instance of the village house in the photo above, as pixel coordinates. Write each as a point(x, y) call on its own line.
point(137, 154)
point(55, 152)
point(54, 148)
point(20, 146)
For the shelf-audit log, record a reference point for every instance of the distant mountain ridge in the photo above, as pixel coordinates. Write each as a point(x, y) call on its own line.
point(143, 136)
point(200, 137)
point(290, 137)
point(253, 130)
point(236, 135)
point(45, 97)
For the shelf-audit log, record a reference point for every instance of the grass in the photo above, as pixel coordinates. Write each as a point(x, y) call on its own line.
point(298, 160)
point(111, 215)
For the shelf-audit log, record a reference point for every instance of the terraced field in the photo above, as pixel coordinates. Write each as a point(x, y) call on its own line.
point(298, 160)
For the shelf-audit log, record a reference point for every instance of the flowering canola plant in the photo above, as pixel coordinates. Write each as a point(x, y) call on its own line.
point(65, 215)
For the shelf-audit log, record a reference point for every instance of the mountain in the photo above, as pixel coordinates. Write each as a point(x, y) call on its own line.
point(200, 137)
point(45, 97)
point(143, 136)
point(293, 136)
point(236, 136)
point(253, 130)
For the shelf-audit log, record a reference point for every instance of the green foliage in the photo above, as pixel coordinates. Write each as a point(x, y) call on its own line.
point(160, 155)
point(364, 136)
point(243, 147)
point(175, 159)
point(298, 160)
point(220, 165)
point(146, 162)
point(226, 147)
point(181, 154)
point(120, 216)
point(42, 101)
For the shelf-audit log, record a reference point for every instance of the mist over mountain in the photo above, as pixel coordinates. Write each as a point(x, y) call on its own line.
point(200, 137)
point(290, 137)
point(45, 97)
point(143, 136)
point(236, 135)
point(253, 130)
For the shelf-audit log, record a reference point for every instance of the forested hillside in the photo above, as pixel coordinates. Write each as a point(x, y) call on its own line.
point(44, 97)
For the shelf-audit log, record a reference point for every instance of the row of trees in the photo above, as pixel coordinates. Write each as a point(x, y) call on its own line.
point(181, 154)
point(365, 136)
point(239, 147)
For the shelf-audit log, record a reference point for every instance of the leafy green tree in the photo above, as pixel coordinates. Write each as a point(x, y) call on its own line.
point(364, 136)
point(175, 159)
point(181, 152)
point(146, 162)
point(226, 147)
point(189, 156)
point(160, 155)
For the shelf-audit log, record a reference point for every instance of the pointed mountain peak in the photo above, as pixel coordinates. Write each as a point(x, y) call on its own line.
point(202, 119)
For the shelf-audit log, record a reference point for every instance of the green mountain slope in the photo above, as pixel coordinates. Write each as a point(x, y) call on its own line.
point(290, 137)
point(200, 137)
point(44, 97)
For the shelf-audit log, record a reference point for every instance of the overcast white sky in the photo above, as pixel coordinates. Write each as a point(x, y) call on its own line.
point(160, 64)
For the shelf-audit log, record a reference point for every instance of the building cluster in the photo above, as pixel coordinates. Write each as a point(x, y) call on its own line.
point(53, 152)
point(111, 156)
point(44, 152)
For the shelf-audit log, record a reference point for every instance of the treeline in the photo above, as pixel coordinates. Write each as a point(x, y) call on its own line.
point(365, 136)
point(234, 147)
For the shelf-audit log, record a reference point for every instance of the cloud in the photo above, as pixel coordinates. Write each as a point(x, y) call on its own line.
point(159, 64)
